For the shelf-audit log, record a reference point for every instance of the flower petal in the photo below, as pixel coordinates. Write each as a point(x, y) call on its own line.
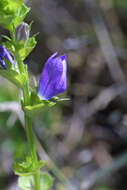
point(2, 63)
point(53, 77)
point(4, 53)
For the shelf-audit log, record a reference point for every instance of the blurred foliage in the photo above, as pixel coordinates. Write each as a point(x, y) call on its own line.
point(14, 139)
point(121, 5)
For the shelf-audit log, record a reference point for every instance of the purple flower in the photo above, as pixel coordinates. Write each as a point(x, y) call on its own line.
point(4, 53)
point(53, 78)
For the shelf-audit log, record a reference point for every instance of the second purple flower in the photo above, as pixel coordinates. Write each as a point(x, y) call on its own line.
point(53, 79)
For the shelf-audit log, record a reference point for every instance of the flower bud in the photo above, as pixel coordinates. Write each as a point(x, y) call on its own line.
point(22, 32)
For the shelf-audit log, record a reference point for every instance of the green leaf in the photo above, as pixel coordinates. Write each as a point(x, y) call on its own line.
point(5, 20)
point(14, 77)
point(19, 15)
point(26, 182)
point(10, 6)
point(46, 181)
point(6, 37)
point(25, 49)
point(10, 21)
point(30, 44)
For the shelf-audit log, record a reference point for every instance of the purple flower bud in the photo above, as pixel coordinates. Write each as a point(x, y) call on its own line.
point(4, 53)
point(53, 78)
point(22, 32)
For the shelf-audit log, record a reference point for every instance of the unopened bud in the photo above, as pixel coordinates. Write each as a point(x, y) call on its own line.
point(22, 32)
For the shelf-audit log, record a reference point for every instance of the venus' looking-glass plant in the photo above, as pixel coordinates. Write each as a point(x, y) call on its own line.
point(53, 81)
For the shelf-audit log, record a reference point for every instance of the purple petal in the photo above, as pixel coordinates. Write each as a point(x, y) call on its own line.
point(53, 77)
point(4, 53)
point(2, 63)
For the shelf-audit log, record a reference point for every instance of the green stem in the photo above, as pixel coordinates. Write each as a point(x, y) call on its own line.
point(28, 126)
point(30, 138)
point(30, 135)
point(20, 63)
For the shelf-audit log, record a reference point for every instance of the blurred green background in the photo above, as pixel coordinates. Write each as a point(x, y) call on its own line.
point(83, 140)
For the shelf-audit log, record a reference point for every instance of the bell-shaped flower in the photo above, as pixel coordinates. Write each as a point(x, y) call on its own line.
point(4, 54)
point(53, 79)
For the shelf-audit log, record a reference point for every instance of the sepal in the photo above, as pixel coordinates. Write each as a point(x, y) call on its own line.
point(36, 105)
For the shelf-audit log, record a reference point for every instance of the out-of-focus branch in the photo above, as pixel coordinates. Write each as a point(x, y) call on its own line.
point(105, 42)
point(13, 107)
point(102, 100)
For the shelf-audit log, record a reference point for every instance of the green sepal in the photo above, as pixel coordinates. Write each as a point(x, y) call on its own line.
point(14, 77)
point(27, 182)
point(36, 105)
point(27, 167)
point(38, 108)
point(57, 99)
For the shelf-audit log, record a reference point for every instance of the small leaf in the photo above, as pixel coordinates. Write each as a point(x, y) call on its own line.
point(10, 6)
point(6, 37)
point(26, 182)
point(46, 181)
point(19, 15)
point(11, 20)
point(25, 49)
point(5, 20)
point(30, 44)
point(14, 77)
